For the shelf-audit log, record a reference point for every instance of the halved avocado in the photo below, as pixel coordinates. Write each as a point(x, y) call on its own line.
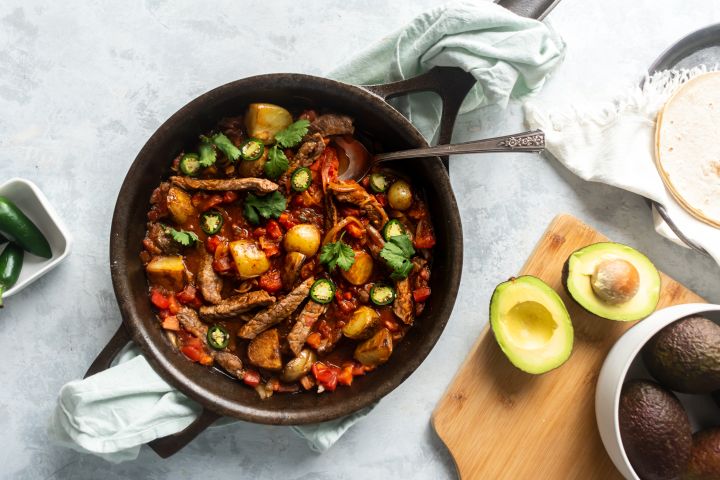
point(531, 324)
point(612, 281)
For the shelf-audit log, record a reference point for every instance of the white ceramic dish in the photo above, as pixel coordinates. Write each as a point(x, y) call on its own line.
point(624, 361)
point(28, 197)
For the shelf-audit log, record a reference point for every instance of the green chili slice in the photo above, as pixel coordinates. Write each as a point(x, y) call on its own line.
point(381, 294)
point(301, 179)
point(211, 222)
point(252, 149)
point(378, 183)
point(322, 291)
point(393, 228)
point(190, 164)
point(218, 338)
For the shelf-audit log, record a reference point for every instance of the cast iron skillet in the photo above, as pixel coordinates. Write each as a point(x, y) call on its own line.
point(218, 394)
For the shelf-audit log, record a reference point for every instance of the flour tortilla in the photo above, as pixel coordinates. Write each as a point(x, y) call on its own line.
point(687, 140)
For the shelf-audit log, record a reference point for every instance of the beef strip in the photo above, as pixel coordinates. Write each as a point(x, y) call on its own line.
point(375, 242)
point(210, 282)
point(310, 150)
point(231, 363)
point(276, 312)
point(257, 184)
point(328, 344)
point(351, 192)
point(228, 361)
point(158, 200)
point(158, 242)
point(304, 323)
point(231, 308)
point(331, 214)
point(332, 124)
point(403, 304)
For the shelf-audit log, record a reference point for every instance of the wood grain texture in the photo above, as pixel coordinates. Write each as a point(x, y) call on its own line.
point(501, 423)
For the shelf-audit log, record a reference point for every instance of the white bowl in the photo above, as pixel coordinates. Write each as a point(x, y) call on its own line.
point(28, 197)
point(624, 362)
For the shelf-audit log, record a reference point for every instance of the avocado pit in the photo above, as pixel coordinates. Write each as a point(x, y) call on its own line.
point(615, 281)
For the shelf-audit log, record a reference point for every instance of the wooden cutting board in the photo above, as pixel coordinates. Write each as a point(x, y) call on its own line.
point(501, 423)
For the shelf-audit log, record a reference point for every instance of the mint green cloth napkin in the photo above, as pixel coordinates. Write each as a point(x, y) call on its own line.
point(111, 414)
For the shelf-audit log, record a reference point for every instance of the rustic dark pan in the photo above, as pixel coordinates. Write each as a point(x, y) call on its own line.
point(218, 394)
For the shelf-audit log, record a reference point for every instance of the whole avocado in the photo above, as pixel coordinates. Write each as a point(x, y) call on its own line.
point(705, 458)
point(655, 430)
point(685, 355)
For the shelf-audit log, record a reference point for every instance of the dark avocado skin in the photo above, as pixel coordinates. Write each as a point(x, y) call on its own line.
point(705, 458)
point(685, 355)
point(655, 430)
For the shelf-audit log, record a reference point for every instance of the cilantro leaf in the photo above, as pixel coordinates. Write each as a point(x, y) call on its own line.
point(207, 151)
point(337, 254)
point(397, 253)
point(268, 206)
point(226, 146)
point(183, 237)
point(292, 135)
point(277, 163)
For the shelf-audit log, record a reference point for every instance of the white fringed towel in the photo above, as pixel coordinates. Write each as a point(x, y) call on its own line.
point(614, 143)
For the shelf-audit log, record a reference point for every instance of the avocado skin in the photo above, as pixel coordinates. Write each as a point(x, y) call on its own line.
point(655, 430)
point(685, 355)
point(705, 458)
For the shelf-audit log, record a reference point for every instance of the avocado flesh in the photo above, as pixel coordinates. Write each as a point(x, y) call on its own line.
point(531, 324)
point(581, 265)
point(685, 355)
point(705, 458)
point(655, 430)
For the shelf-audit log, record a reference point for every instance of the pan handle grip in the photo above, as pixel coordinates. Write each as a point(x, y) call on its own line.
point(107, 354)
point(170, 445)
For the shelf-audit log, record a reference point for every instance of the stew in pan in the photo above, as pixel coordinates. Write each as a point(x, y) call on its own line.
point(262, 262)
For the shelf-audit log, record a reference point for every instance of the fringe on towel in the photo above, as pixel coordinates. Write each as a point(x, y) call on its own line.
point(645, 99)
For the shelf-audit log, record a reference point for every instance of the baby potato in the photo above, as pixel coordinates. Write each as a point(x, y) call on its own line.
point(249, 259)
point(303, 238)
point(375, 350)
point(180, 205)
point(400, 195)
point(297, 367)
point(360, 271)
point(264, 120)
point(362, 323)
point(264, 350)
point(167, 271)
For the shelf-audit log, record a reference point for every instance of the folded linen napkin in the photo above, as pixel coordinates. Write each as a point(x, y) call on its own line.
point(508, 54)
point(614, 142)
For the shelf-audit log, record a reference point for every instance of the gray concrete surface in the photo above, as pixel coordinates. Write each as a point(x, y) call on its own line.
point(83, 85)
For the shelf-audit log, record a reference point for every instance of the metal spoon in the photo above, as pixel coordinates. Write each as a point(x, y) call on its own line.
point(357, 161)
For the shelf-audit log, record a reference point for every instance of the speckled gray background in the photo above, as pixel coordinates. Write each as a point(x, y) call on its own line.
point(82, 86)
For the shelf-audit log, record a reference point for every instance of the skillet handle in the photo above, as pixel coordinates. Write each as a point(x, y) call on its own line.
point(170, 445)
point(165, 446)
point(107, 354)
point(453, 83)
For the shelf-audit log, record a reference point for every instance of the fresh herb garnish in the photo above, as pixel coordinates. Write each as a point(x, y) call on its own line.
point(397, 253)
point(183, 237)
point(226, 146)
point(268, 206)
point(277, 163)
point(207, 152)
point(337, 254)
point(292, 135)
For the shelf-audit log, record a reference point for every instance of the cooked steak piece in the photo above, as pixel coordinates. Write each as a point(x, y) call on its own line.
point(231, 363)
point(158, 242)
point(276, 312)
point(332, 124)
point(231, 308)
point(331, 214)
point(375, 242)
point(158, 200)
point(328, 344)
point(257, 184)
point(189, 320)
point(310, 150)
point(351, 192)
point(210, 282)
point(403, 304)
point(304, 323)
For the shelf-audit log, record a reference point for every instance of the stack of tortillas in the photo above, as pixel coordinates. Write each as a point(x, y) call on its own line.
point(687, 140)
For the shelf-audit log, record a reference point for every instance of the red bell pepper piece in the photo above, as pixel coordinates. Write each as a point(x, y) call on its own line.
point(421, 294)
point(159, 300)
